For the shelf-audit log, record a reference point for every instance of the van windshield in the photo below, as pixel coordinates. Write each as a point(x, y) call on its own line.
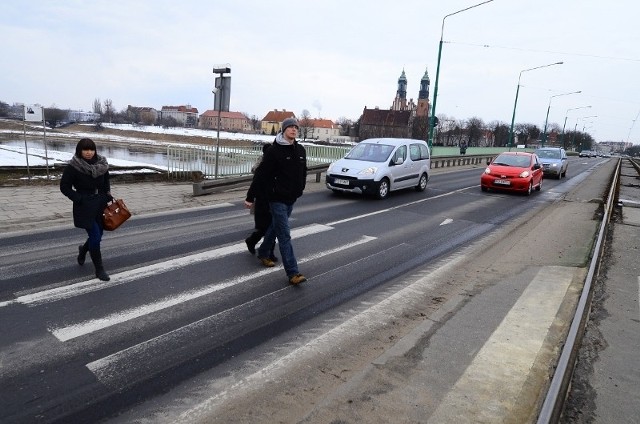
point(370, 152)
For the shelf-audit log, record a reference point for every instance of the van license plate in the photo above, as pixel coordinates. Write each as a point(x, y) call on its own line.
point(502, 182)
point(342, 182)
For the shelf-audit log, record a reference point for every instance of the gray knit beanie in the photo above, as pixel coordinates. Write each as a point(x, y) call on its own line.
point(289, 122)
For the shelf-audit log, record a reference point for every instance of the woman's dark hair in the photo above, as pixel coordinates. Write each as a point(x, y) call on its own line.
point(85, 144)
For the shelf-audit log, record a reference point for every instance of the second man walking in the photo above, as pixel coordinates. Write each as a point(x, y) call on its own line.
point(283, 177)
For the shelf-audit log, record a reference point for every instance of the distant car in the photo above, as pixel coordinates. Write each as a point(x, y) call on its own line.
point(554, 161)
point(378, 166)
point(513, 171)
point(587, 154)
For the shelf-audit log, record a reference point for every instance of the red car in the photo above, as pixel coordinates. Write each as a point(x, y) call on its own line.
point(516, 171)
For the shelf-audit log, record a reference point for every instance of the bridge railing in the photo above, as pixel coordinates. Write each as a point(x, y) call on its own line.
point(183, 162)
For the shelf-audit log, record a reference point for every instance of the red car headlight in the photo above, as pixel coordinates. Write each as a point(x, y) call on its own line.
point(525, 174)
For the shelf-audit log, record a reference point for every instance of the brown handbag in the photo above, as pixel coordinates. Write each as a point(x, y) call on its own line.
point(115, 214)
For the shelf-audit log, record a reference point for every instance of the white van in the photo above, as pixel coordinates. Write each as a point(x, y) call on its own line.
point(378, 166)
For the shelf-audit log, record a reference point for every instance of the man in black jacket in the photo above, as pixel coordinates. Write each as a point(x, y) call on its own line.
point(282, 176)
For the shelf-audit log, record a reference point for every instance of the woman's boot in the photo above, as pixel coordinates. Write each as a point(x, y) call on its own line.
point(252, 240)
point(82, 252)
point(96, 257)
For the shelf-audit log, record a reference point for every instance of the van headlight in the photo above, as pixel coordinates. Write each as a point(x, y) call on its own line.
point(368, 171)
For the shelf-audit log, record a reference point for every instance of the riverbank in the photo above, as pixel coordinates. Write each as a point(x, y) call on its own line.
point(126, 134)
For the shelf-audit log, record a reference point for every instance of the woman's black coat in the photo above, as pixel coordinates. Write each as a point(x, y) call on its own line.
point(89, 195)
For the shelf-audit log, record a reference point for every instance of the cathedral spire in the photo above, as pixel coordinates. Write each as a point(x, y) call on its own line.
point(400, 102)
point(424, 86)
point(402, 85)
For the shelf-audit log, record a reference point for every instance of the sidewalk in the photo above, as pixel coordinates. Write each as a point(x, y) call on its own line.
point(607, 361)
point(28, 207)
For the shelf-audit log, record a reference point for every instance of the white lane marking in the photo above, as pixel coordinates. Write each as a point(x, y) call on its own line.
point(94, 284)
point(446, 221)
point(109, 370)
point(353, 218)
point(498, 373)
point(76, 330)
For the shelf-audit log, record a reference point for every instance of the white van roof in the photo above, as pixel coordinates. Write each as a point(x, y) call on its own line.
point(392, 141)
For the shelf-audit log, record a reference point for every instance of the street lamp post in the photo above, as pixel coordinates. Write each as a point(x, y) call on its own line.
point(515, 103)
point(220, 70)
point(575, 129)
point(432, 118)
point(544, 133)
point(564, 146)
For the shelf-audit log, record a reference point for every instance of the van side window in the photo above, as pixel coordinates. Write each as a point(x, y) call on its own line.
point(414, 152)
point(401, 153)
point(424, 150)
point(418, 152)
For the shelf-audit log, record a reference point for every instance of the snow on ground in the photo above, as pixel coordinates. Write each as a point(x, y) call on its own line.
point(15, 156)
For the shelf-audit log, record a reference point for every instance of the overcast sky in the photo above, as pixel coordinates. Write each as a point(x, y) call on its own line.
point(332, 57)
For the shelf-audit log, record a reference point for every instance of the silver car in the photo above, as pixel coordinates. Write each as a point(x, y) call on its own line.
point(378, 166)
point(554, 161)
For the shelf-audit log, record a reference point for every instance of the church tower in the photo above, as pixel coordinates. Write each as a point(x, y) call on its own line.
point(400, 102)
point(423, 96)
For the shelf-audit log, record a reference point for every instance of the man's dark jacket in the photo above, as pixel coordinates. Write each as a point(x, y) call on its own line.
point(282, 174)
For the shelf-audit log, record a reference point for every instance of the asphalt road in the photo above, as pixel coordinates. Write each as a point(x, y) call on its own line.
point(192, 328)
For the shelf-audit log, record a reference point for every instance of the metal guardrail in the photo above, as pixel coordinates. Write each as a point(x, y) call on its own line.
point(231, 183)
point(185, 161)
point(234, 161)
point(222, 184)
point(554, 401)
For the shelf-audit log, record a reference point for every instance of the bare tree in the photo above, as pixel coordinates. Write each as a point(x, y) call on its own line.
point(53, 116)
point(4, 109)
point(254, 121)
point(420, 128)
point(306, 125)
point(169, 122)
point(147, 118)
point(527, 133)
point(345, 125)
point(97, 106)
point(120, 117)
point(108, 109)
point(500, 132)
point(133, 114)
point(475, 127)
point(444, 130)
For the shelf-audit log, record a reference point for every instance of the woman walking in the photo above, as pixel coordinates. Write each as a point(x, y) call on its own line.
point(86, 182)
point(261, 214)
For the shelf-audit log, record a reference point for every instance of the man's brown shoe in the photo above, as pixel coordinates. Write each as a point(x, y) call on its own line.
point(297, 279)
point(267, 262)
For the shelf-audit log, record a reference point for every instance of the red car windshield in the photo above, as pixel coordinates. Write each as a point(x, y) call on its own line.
point(520, 161)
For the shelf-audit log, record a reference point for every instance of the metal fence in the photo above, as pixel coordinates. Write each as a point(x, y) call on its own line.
point(183, 162)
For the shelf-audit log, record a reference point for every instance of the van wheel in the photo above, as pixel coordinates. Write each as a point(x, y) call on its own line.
point(383, 188)
point(422, 184)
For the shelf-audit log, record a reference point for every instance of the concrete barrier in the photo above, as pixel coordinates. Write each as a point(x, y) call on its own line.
point(233, 183)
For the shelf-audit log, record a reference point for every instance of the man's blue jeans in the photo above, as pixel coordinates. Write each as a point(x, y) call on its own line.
point(279, 228)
